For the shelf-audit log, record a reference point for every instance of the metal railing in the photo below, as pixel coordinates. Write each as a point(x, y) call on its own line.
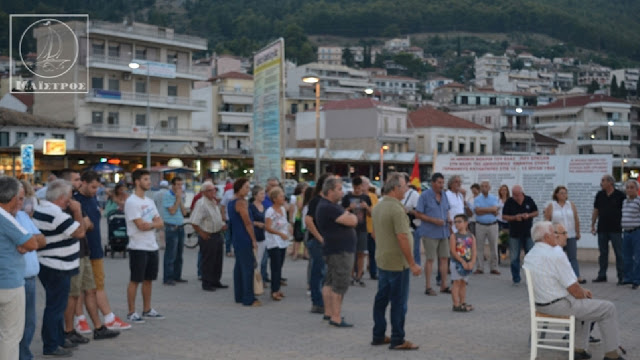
point(236, 90)
point(158, 131)
point(115, 60)
point(166, 101)
point(158, 33)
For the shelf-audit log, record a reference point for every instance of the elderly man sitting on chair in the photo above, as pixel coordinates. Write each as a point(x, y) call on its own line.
point(558, 293)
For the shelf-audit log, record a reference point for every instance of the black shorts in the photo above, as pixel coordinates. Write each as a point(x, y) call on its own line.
point(143, 265)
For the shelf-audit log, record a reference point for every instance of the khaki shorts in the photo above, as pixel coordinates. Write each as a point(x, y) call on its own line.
point(83, 281)
point(339, 268)
point(435, 248)
point(97, 265)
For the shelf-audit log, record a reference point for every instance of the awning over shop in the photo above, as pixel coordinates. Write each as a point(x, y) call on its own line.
point(237, 99)
point(620, 131)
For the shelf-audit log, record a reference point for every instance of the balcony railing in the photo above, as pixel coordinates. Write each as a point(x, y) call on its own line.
point(236, 90)
point(140, 99)
point(120, 130)
point(96, 59)
point(157, 33)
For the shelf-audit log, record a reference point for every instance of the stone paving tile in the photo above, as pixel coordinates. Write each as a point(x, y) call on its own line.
point(201, 325)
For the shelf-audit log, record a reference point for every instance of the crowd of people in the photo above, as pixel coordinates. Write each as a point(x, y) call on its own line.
point(54, 234)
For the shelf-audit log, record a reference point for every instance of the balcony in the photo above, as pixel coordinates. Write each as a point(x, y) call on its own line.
point(140, 132)
point(152, 34)
point(103, 61)
point(236, 90)
point(236, 118)
point(140, 99)
point(233, 130)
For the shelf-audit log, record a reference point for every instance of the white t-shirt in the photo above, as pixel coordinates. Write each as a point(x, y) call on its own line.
point(279, 223)
point(410, 201)
point(145, 209)
point(456, 206)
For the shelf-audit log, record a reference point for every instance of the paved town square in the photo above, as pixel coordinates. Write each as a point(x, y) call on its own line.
point(202, 325)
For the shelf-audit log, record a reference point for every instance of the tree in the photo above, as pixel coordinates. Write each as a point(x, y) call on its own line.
point(622, 91)
point(613, 88)
point(366, 56)
point(347, 57)
point(298, 48)
point(517, 64)
point(593, 87)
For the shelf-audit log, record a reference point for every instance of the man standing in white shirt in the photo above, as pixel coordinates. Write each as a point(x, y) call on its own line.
point(410, 201)
point(557, 292)
point(142, 221)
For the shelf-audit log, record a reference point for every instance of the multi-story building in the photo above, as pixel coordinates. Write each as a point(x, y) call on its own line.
point(434, 83)
point(492, 98)
point(630, 78)
point(446, 94)
point(531, 81)
point(357, 124)
point(397, 44)
point(400, 90)
point(330, 55)
point(433, 129)
point(489, 66)
point(112, 116)
point(593, 72)
point(587, 124)
point(229, 114)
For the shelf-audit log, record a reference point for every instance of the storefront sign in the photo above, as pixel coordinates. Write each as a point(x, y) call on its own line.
point(28, 160)
point(54, 147)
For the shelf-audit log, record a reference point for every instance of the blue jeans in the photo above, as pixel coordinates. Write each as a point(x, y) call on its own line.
point(56, 286)
point(572, 254)
point(227, 238)
point(243, 276)
point(29, 319)
point(393, 287)
point(199, 263)
point(603, 259)
point(515, 245)
point(318, 271)
point(416, 248)
point(371, 247)
point(264, 262)
point(174, 239)
point(631, 254)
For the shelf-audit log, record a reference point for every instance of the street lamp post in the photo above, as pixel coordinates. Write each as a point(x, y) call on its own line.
point(382, 149)
point(312, 79)
point(133, 66)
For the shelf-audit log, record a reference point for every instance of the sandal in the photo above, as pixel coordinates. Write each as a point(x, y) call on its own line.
point(276, 297)
point(460, 308)
point(445, 290)
point(386, 340)
point(468, 306)
point(430, 292)
point(407, 345)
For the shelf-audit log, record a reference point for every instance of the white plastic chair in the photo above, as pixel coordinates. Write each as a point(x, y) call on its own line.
point(543, 323)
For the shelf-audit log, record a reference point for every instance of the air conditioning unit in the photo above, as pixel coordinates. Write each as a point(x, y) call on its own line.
point(126, 76)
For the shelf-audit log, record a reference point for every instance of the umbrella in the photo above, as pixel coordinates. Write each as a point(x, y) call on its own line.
point(106, 168)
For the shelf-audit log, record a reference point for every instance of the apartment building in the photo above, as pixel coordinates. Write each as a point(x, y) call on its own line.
point(330, 55)
point(401, 90)
point(630, 78)
point(594, 72)
point(489, 66)
point(112, 116)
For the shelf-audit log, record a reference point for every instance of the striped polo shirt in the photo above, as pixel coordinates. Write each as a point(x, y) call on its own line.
point(630, 213)
point(62, 250)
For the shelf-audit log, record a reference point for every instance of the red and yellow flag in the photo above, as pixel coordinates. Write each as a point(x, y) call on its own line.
point(414, 179)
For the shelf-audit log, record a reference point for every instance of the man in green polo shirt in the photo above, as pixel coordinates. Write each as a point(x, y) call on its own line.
point(394, 257)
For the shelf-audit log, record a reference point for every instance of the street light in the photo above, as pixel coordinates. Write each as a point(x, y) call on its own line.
point(610, 123)
point(368, 91)
point(382, 149)
point(313, 79)
point(134, 66)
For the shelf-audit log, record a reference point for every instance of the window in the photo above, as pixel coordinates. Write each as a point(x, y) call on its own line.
point(141, 87)
point(113, 118)
point(492, 101)
point(114, 84)
point(464, 100)
point(487, 120)
point(114, 50)
point(477, 100)
point(172, 90)
point(21, 136)
point(461, 148)
point(172, 58)
point(98, 48)
point(173, 122)
point(306, 107)
point(4, 138)
point(483, 148)
point(141, 119)
point(517, 102)
point(141, 53)
point(294, 108)
point(57, 136)
point(472, 147)
point(450, 145)
point(96, 117)
point(38, 134)
point(97, 83)
point(440, 147)
point(386, 124)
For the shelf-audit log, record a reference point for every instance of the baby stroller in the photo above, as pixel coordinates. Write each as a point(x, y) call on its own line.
point(118, 239)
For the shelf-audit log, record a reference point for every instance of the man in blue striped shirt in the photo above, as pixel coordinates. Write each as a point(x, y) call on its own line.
point(58, 260)
point(631, 235)
point(173, 212)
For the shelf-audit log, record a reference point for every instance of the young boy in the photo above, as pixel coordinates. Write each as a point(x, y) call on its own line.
point(463, 258)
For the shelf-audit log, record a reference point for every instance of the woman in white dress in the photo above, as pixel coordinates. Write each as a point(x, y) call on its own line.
point(277, 238)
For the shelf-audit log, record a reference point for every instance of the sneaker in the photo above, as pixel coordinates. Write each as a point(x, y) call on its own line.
point(68, 344)
point(59, 352)
point(104, 333)
point(117, 324)
point(135, 318)
point(82, 327)
point(152, 314)
point(76, 338)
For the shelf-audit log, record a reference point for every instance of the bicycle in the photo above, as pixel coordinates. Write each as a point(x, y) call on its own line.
point(190, 236)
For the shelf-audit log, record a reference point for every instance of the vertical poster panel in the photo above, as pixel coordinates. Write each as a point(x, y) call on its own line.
point(27, 157)
point(267, 104)
point(538, 176)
